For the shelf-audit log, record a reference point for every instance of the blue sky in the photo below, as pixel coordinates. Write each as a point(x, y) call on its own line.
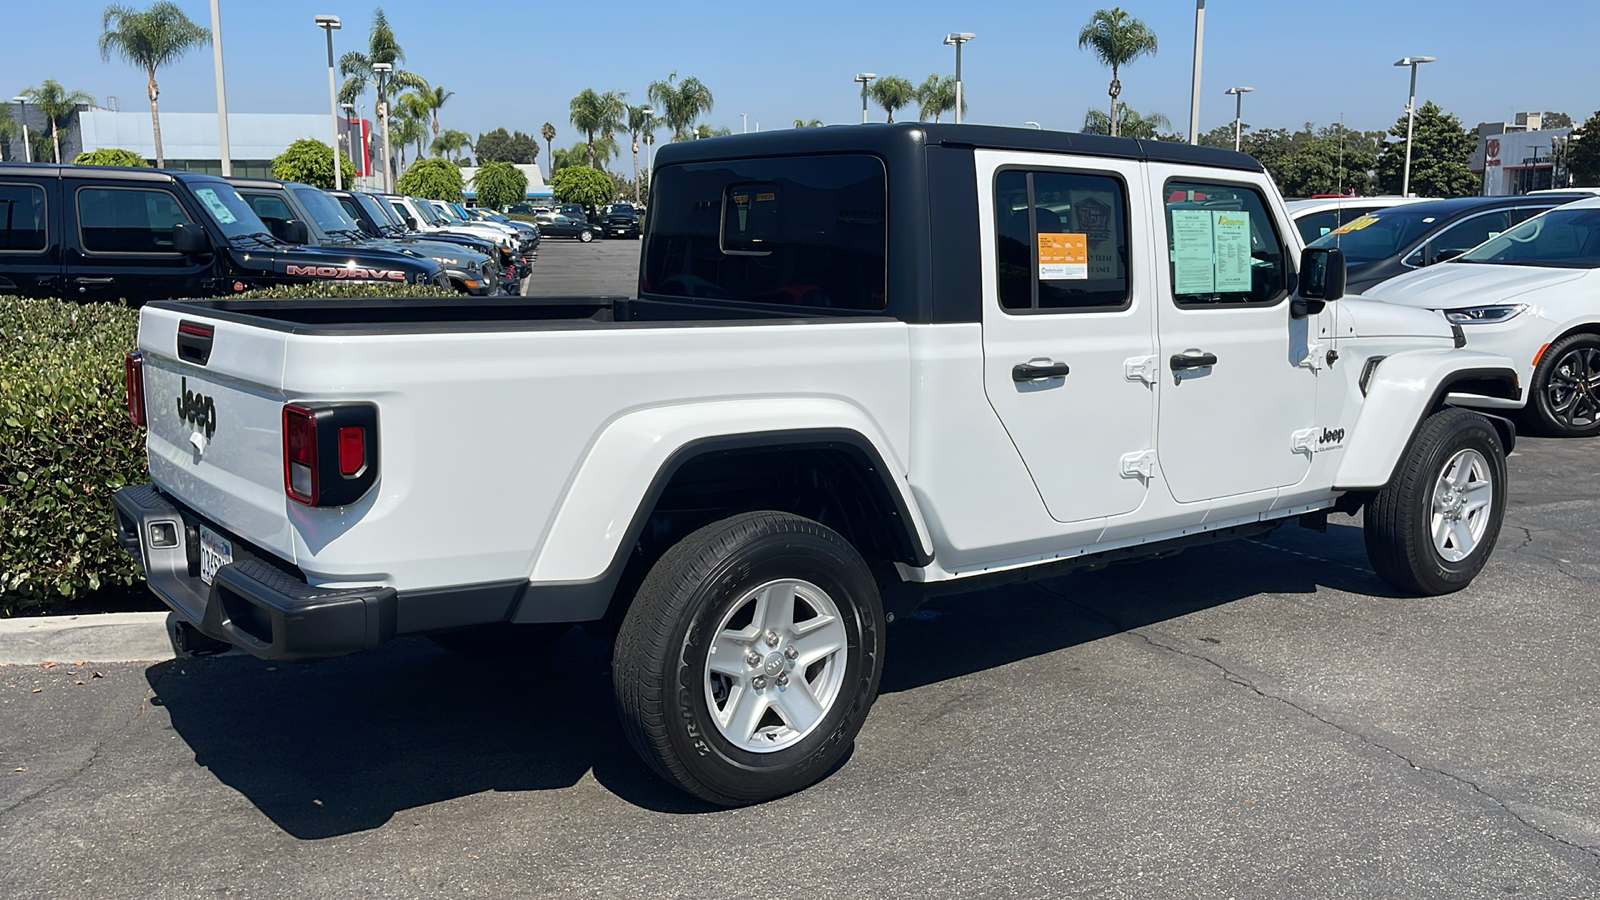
point(518, 64)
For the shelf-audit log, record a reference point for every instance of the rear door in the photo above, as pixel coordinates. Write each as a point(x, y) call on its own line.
point(1068, 338)
point(120, 242)
point(30, 236)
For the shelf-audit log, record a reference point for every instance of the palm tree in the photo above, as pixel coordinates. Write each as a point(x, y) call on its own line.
point(434, 99)
point(937, 96)
point(638, 123)
point(359, 74)
point(1130, 123)
point(1116, 40)
point(892, 92)
point(150, 39)
point(414, 105)
point(808, 123)
point(8, 127)
point(601, 114)
point(704, 130)
point(450, 143)
point(548, 132)
point(680, 104)
point(57, 105)
point(405, 129)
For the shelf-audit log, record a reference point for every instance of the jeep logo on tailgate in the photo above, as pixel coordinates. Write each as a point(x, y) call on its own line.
point(197, 409)
point(345, 272)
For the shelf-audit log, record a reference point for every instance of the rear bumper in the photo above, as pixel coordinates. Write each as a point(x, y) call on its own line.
point(251, 603)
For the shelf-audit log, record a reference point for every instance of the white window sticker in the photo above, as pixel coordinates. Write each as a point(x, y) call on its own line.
point(1192, 271)
point(218, 208)
point(1231, 234)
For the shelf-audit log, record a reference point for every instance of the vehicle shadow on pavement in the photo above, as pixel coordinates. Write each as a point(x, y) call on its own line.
point(343, 745)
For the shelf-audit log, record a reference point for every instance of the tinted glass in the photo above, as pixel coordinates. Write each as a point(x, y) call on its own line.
point(272, 209)
point(325, 210)
point(1223, 247)
point(1469, 233)
point(228, 210)
point(21, 217)
point(1063, 241)
point(1561, 238)
point(128, 220)
point(791, 231)
point(1316, 225)
point(1380, 234)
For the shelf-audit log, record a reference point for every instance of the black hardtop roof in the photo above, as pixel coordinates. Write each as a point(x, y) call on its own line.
point(889, 140)
point(124, 173)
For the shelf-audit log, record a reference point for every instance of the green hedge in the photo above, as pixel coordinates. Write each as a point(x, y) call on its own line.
point(66, 443)
point(65, 446)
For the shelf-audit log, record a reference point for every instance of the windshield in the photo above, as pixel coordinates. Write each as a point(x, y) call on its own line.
point(622, 209)
point(228, 210)
point(428, 213)
point(325, 211)
point(380, 212)
point(1381, 234)
point(1561, 238)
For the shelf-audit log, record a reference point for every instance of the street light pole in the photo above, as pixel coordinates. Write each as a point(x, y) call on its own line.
point(349, 142)
point(958, 38)
point(222, 90)
point(744, 123)
point(382, 70)
point(864, 77)
point(1194, 85)
point(27, 145)
point(1238, 108)
point(330, 24)
point(1411, 116)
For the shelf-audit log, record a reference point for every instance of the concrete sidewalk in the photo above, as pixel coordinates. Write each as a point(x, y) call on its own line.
point(102, 638)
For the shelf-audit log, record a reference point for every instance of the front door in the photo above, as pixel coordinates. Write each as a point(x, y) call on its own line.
point(1067, 326)
point(122, 245)
point(1239, 370)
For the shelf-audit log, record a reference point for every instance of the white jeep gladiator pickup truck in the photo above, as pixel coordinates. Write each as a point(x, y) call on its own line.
point(863, 365)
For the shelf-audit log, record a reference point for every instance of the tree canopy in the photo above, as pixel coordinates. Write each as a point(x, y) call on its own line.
point(57, 104)
point(150, 39)
point(937, 96)
point(434, 178)
point(598, 114)
point(1130, 123)
point(500, 184)
point(111, 156)
point(310, 161)
point(1440, 148)
point(500, 146)
point(680, 104)
point(891, 92)
point(582, 185)
point(1116, 39)
point(1583, 153)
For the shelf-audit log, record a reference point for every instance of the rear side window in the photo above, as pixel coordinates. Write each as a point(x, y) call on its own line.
point(272, 211)
point(21, 218)
point(1317, 224)
point(128, 220)
point(1223, 248)
point(789, 231)
point(1063, 241)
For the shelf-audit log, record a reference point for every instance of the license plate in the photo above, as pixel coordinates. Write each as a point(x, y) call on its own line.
point(215, 552)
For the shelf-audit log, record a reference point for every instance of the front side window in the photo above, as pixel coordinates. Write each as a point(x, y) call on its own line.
point(1223, 248)
point(1561, 238)
point(22, 227)
point(1062, 241)
point(788, 231)
point(1317, 224)
point(128, 220)
point(1460, 237)
point(273, 211)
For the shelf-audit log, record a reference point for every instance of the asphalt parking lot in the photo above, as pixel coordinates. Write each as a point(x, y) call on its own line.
point(567, 268)
point(1257, 719)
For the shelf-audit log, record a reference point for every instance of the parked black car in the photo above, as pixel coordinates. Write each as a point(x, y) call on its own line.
point(620, 220)
point(1387, 242)
point(561, 225)
point(103, 233)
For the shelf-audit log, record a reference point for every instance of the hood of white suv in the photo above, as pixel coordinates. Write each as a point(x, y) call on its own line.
point(1452, 285)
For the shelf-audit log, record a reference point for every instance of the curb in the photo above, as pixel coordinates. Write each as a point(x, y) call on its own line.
point(101, 638)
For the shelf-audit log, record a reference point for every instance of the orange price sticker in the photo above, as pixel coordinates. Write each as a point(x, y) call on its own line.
point(1063, 257)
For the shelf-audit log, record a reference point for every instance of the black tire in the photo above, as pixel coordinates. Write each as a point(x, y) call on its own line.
point(660, 664)
point(1564, 401)
point(501, 639)
point(585, 236)
point(1398, 521)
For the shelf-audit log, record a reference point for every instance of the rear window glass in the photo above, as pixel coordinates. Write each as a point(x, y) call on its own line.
point(792, 231)
point(128, 220)
point(21, 217)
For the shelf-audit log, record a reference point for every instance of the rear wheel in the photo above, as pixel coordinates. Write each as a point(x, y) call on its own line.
point(1566, 387)
point(586, 236)
point(750, 657)
point(1432, 528)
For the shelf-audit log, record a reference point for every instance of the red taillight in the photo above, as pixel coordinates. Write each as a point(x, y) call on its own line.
point(133, 372)
point(352, 451)
point(300, 455)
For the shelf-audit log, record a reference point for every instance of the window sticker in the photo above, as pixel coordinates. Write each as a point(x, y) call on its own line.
point(1063, 257)
point(1192, 252)
point(1230, 233)
point(218, 209)
point(1356, 224)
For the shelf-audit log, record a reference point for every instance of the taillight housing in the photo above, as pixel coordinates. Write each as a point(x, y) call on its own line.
point(133, 376)
point(330, 452)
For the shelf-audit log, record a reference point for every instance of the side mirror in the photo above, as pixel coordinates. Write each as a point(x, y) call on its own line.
point(411, 222)
point(294, 231)
point(190, 239)
point(1321, 279)
point(1447, 255)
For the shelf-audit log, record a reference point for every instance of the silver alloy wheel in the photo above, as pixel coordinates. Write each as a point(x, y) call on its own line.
point(1573, 390)
point(772, 680)
point(1463, 499)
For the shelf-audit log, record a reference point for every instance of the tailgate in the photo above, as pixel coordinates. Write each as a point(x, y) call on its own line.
point(214, 407)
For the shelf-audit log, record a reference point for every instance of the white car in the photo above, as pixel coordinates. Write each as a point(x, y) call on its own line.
point(1316, 217)
point(1532, 293)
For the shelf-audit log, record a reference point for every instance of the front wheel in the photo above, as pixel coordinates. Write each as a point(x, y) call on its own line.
point(1432, 528)
point(586, 236)
point(1566, 388)
point(750, 657)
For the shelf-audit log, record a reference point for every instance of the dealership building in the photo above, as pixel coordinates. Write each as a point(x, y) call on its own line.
point(1519, 156)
